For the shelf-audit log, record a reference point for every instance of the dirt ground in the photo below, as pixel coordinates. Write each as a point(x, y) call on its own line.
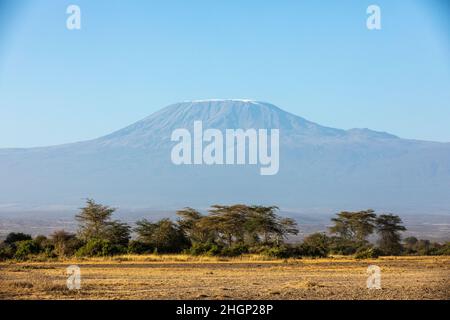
point(184, 277)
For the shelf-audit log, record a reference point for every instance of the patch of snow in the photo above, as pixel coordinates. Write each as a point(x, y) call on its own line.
point(224, 100)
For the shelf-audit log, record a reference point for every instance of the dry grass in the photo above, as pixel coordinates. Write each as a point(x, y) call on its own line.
point(249, 277)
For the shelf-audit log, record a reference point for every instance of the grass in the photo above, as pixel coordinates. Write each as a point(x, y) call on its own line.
point(246, 277)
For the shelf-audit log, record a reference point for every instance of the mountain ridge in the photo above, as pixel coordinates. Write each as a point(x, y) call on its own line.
point(367, 132)
point(319, 166)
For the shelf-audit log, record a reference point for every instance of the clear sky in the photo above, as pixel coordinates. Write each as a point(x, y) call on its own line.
point(313, 58)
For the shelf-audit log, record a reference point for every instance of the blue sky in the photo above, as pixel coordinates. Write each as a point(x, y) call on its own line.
point(312, 58)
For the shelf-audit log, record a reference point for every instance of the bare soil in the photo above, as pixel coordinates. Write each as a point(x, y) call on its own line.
point(252, 277)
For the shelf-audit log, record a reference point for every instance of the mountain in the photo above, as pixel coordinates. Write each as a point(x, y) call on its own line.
point(320, 167)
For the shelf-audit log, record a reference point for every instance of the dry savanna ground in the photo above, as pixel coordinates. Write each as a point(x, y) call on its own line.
point(251, 277)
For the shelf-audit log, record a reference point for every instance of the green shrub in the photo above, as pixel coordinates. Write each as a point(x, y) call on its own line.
point(214, 250)
point(276, 252)
point(313, 251)
point(234, 250)
point(119, 249)
point(282, 252)
point(315, 245)
point(97, 248)
point(421, 247)
point(41, 241)
point(138, 247)
point(26, 248)
point(343, 246)
point(49, 251)
point(64, 243)
point(14, 237)
point(444, 250)
point(6, 252)
point(209, 248)
point(258, 249)
point(367, 253)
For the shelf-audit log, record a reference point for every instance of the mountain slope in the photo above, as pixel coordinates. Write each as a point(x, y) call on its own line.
point(319, 166)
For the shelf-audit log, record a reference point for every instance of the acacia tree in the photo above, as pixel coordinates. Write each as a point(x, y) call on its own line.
point(263, 223)
point(93, 220)
point(95, 223)
point(163, 235)
point(354, 226)
point(286, 227)
point(227, 222)
point(118, 233)
point(410, 244)
point(248, 224)
point(190, 224)
point(389, 227)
